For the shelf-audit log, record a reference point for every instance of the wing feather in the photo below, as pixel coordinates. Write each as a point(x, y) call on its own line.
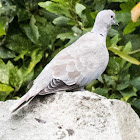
point(57, 85)
point(76, 64)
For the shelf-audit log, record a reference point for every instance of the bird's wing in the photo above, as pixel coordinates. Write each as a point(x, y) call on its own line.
point(64, 73)
point(57, 85)
point(73, 67)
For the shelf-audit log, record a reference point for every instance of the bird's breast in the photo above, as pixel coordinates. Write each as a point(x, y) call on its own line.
point(94, 62)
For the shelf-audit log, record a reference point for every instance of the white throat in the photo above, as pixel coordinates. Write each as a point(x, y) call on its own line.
point(101, 30)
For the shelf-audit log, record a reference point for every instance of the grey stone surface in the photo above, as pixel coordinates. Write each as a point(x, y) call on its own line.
point(70, 116)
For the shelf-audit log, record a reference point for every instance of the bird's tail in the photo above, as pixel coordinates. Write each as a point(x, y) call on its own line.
point(23, 101)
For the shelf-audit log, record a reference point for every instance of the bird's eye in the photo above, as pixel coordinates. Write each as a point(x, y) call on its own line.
point(111, 16)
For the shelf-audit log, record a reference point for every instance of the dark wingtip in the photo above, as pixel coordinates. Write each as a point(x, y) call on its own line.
point(17, 108)
point(22, 105)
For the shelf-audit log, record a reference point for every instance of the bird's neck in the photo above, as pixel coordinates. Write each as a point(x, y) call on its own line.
point(100, 29)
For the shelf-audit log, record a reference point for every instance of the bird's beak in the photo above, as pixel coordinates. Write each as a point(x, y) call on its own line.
point(115, 23)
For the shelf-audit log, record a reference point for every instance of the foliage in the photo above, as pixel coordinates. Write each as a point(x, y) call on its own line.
point(33, 32)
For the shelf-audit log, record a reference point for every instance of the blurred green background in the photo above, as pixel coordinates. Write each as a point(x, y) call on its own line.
point(32, 32)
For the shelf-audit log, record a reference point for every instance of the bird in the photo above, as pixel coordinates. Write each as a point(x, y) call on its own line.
point(76, 65)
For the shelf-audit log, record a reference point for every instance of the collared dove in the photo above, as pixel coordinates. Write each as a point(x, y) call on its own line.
point(76, 65)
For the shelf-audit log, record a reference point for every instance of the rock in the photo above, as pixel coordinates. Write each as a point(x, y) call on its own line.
point(70, 116)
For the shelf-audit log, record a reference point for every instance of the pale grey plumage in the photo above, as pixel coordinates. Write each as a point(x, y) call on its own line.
point(77, 65)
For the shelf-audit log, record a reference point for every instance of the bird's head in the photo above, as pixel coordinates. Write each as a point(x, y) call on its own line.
point(106, 17)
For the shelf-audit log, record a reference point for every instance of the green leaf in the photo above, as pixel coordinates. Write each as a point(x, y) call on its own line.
point(134, 39)
point(124, 56)
point(130, 27)
point(124, 66)
point(48, 34)
point(46, 14)
point(71, 36)
point(31, 31)
point(36, 56)
point(102, 91)
point(44, 38)
point(76, 30)
point(5, 88)
point(118, 0)
point(85, 21)
point(112, 32)
point(8, 9)
point(99, 4)
point(60, 8)
point(16, 78)
point(64, 36)
point(136, 104)
point(127, 48)
point(115, 40)
point(23, 14)
point(113, 67)
point(2, 31)
point(136, 83)
point(42, 21)
point(128, 93)
point(79, 9)
point(3, 25)
point(110, 80)
point(127, 6)
point(115, 95)
point(123, 16)
point(61, 21)
point(5, 91)
point(94, 14)
point(122, 85)
point(4, 71)
point(19, 76)
point(19, 43)
point(6, 53)
point(134, 71)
